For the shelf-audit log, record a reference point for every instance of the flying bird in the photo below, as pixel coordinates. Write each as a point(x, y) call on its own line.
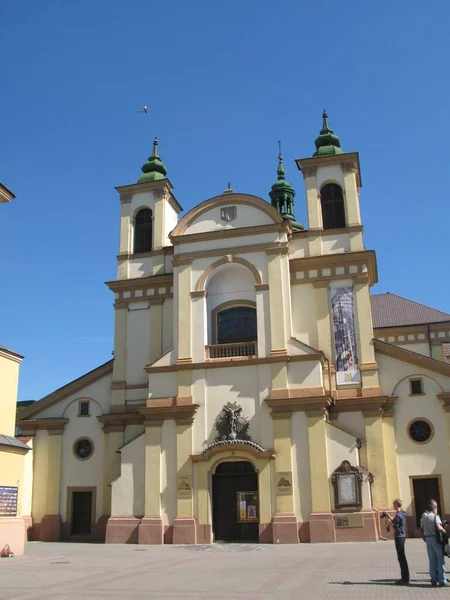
point(144, 110)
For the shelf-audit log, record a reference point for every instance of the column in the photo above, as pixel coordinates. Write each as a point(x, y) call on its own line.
point(376, 458)
point(312, 198)
point(51, 521)
point(276, 308)
point(156, 324)
point(284, 524)
point(159, 222)
point(321, 520)
point(151, 530)
point(184, 528)
point(120, 347)
point(184, 310)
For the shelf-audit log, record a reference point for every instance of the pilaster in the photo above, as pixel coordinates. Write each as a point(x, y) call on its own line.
point(376, 447)
point(351, 199)
point(184, 311)
point(125, 243)
point(184, 529)
point(284, 524)
point(323, 318)
point(156, 332)
point(321, 521)
point(120, 345)
point(277, 308)
point(390, 453)
point(151, 529)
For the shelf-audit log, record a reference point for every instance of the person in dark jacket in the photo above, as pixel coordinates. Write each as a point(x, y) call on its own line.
point(399, 524)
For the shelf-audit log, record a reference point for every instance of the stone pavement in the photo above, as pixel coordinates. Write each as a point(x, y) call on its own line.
point(220, 572)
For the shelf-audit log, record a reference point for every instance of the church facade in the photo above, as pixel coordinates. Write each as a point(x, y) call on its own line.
point(257, 391)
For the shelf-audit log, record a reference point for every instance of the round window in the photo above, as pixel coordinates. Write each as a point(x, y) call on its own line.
point(420, 431)
point(83, 448)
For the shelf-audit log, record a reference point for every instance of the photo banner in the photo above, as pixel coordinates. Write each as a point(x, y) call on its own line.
point(347, 363)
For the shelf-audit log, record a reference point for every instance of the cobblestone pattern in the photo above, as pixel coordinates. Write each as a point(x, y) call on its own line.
point(219, 572)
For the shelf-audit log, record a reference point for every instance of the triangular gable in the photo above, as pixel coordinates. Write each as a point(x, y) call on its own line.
point(68, 389)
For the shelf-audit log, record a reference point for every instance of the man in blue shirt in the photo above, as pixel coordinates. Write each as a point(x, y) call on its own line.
point(399, 524)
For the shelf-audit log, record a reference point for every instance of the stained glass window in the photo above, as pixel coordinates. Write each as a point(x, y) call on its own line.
point(236, 324)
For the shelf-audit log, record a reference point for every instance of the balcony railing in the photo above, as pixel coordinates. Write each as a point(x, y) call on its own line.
point(231, 350)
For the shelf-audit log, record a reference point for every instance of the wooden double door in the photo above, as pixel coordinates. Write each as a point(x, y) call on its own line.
point(424, 490)
point(81, 513)
point(229, 480)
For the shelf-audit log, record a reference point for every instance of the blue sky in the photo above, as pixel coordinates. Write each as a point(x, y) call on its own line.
point(224, 81)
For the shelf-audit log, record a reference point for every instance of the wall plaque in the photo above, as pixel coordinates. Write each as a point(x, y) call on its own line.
point(284, 483)
point(184, 487)
point(351, 520)
point(347, 481)
point(8, 501)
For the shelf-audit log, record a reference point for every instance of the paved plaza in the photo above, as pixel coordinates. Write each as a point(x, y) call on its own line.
point(220, 572)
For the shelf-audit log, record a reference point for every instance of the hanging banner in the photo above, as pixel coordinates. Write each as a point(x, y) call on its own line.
point(347, 364)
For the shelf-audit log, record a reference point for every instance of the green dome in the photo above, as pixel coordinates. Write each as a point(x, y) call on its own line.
point(282, 196)
point(154, 169)
point(327, 143)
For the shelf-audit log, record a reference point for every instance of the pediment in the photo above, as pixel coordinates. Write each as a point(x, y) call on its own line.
point(228, 211)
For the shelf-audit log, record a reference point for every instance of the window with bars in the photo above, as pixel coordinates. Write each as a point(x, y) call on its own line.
point(333, 210)
point(143, 231)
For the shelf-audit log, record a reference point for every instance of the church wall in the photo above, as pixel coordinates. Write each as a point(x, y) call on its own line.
point(138, 343)
point(128, 490)
point(329, 174)
point(420, 348)
point(342, 446)
point(304, 316)
point(76, 472)
point(353, 422)
point(163, 385)
point(333, 244)
point(27, 487)
point(210, 220)
point(143, 266)
point(299, 247)
point(305, 374)
point(413, 459)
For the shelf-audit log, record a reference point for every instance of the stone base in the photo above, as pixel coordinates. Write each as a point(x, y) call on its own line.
point(321, 528)
point(367, 533)
point(122, 530)
point(28, 520)
point(184, 530)
point(12, 533)
point(204, 534)
point(285, 529)
point(50, 528)
point(265, 533)
point(151, 531)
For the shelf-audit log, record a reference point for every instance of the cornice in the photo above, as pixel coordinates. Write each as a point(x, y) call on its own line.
point(303, 164)
point(55, 425)
point(413, 358)
point(313, 267)
point(221, 234)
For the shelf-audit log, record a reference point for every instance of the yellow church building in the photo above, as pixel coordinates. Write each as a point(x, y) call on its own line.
point(258, 392)
point(15, 465)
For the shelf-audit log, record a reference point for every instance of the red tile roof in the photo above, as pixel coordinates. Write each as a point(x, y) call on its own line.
point(390, 310)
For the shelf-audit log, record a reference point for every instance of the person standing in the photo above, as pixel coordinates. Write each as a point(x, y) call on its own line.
point(431, 524)
point(399, 524)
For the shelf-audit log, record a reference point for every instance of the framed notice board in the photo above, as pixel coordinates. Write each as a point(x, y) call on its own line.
point(8, 501)
point(247, 507)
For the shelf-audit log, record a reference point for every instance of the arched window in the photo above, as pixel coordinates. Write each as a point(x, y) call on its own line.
point(236, 324)
point(333, 211)
point(143, 231)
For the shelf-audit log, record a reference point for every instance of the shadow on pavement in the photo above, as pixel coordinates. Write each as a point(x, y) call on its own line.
point(412, 584)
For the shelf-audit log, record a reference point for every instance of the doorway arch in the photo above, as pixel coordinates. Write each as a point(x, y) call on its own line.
point(235, 502)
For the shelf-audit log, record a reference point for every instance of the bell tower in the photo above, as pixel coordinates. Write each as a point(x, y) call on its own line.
point(332, 180)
